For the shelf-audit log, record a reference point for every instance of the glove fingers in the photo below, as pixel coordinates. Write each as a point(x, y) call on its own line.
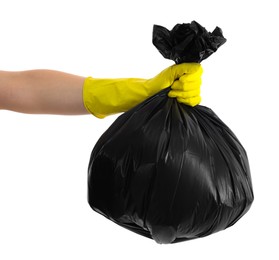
point(187, 88)
point(186, 85)
point(185, 68)
point(184, 94)
point(191, 76)
point(190, 101)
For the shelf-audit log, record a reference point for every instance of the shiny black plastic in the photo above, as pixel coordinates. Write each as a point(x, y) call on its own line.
point(187, 42)
point(170, 172)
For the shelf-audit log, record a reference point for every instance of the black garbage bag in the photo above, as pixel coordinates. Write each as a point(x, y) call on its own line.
point(168, 171)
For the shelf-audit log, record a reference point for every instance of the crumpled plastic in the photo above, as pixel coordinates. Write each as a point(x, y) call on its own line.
point(187, 42)
point(168, 171)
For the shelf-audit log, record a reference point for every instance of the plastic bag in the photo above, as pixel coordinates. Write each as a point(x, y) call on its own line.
point(187, 42)
point(168, 171)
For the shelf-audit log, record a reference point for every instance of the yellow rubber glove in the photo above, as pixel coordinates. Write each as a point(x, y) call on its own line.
point(103, 97)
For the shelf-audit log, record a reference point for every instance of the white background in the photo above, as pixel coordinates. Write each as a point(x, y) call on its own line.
point(43, 159)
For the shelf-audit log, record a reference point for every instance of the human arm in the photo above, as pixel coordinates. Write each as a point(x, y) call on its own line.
point(42, 92)
point(54, 92)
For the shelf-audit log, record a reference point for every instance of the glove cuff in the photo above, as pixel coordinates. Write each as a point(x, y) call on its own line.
point(103, 97)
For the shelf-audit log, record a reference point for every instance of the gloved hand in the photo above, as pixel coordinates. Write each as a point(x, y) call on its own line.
point(103, 97)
